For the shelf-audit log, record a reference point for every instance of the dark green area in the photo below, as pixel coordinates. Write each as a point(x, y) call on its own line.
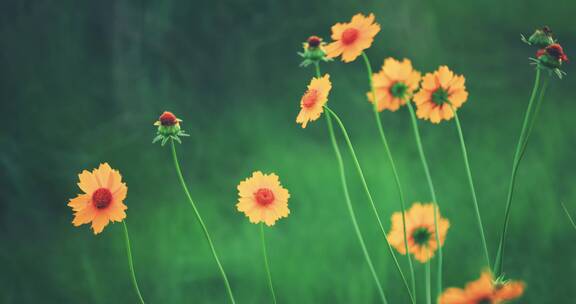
point(81, 82)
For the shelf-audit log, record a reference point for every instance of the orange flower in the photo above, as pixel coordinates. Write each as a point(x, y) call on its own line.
point(102, 200)
point(263, 199)
point(420, 231)
point(313, 101)
point(483, 291)
point(350, 39)
point(394, 84)
point(439, 89)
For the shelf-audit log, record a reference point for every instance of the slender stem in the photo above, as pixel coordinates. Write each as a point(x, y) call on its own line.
point(199, 218)
point(517, 157)
point(471, 183)
point(349, 202)
point(432, 190)
point(568, 215)
point(428, 283)
point(394, 171)
point(131, 263)
point(537, 106)
point(266, 264)
point(370, 199)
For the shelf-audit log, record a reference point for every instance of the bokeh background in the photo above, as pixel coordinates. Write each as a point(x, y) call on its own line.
point(81, 82)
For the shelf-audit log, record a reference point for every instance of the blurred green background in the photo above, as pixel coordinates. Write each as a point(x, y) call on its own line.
point(81, 82)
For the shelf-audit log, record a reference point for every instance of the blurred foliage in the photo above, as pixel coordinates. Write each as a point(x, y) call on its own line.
point(81, 82)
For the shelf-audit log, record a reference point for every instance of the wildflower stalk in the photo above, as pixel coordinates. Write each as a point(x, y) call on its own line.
point(568, 215)
point(428, 283)
point(370, 199)
point(520, 147)
point(394, 170)
point(131, 263)
point(199, 218)
point(266, 265)
point(349, 201)
point(471, 183)
point(431, 187)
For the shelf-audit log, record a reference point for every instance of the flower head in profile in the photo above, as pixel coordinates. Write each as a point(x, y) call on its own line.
point(352, 38)
point(102, 200)
point(314, 51)
point(485, 290)
point(262, 198)
point(440, 89)
point(420, 231)
point(314, 99)
point(394, 84)
point(168, 128)
point(552, 57)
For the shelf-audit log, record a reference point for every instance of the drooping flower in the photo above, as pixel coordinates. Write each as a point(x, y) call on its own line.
point(102, 200)
point(485, 290)
point(440, 89)
point(350, 39)
point(262, 198)
point(314, 51)
point(168, 128)
point(394, 84)
point(313, 101)
point(420, 231)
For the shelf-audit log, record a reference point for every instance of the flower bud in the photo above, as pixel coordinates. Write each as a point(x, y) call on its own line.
point(313, 51)
point(168, 128)
point(541, 38)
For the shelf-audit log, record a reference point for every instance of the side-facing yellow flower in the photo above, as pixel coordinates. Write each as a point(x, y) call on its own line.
point(483, 291)
point(440, 89)
point(350, 39)
point(394, 84)
point(102, 200)
point(262, 198)
point(313, 101)
point(419, 230)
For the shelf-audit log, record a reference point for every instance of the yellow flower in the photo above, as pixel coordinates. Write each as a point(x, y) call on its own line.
point(313, 101)
point(350, 39)
point(483, 291)
point(420, 231)
point(439, 90)
point(102, 200)
point(394, 84)
point(262, 198)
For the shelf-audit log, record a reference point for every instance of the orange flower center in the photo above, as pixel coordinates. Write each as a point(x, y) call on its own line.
point(101, 198)
point(264, 196)
point(349, 36)
point(310, 98)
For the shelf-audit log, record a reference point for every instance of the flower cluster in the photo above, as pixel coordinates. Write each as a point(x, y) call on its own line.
point(550, 54)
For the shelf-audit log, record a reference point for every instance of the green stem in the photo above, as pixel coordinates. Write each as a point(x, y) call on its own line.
point(428, 283)
point(471, 183)
point(369, 195)
point(131, 263)
point(568, 215)
point(349, 202)
point(431, 187)
point(199, 218)
point(266, 264)
point(517, 157)
point(394, 170)
point(537, 106)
